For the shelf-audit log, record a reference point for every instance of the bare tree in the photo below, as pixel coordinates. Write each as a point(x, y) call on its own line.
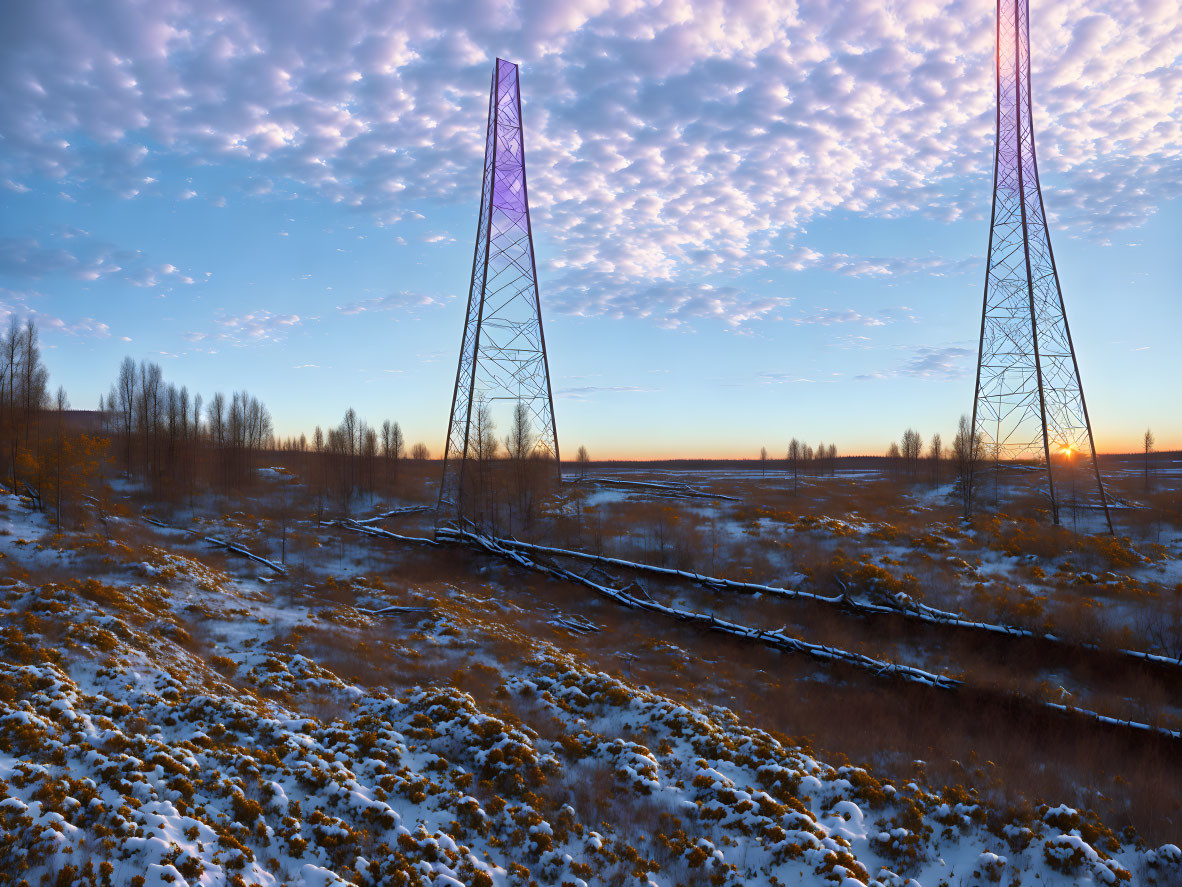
point(519, 443)
point(397, 443)
point(582, 458)
point(832, 456)
point(966, 450)
point(484, 447)
point(318, 446)
point(763, 460)
point(217, 419)
point(387, 434)
point(149, 414)
point(393, 447)
point(794, 463)
point(934, 454)
point(61, 404)
point(521, 438)
point(893, 459)
point(125, 394)
point(911, 450)
point(485, 443)
point(1148, 442)
point(419, 452)
point(34, 377)
point(369, 457)
point(349, 434)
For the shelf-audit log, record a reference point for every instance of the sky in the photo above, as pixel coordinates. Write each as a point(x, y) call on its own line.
point(753, 221)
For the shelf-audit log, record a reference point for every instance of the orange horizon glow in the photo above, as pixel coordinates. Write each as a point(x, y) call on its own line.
point(746, 455)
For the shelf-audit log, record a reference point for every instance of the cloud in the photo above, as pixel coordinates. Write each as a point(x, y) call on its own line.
point(669, 303)
point(806, 258)
point(257, 327)
point(947, 362)
point(83, 327)
point(15, 304)
point(402, 301)
point(586, 392)
point(943, 363)
point(770, 378)
point(662, 146)
point(831, 316)
point(73, 252)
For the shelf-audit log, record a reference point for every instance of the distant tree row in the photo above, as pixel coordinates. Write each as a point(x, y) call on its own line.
point(178, 442)
point(355, 458)
point(165, 437)
point(907, 460)
point(905, 456)
point(803, 459)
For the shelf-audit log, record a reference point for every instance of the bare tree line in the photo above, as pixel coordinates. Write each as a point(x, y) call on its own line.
point(42, 457)
point(355, 458)
point(906, 459)
point(803, 459)
point(167, 436)
point(24, 393)
point(176, 441)
point(179, 443)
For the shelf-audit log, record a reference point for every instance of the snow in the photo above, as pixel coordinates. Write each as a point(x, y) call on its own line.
point(153, 714)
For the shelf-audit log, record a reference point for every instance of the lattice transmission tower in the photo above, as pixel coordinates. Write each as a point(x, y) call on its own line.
point(1028, 408)
point(503, 349)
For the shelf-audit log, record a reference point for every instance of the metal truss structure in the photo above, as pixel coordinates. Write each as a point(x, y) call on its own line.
point(1028, 406)
point(503, 349)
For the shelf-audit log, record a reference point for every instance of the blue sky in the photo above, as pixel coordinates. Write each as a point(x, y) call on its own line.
point(752, 221)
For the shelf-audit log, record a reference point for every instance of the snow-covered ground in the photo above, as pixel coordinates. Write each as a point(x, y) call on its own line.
point(172, 717)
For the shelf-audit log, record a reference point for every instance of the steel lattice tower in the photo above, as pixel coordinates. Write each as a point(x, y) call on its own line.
point(503, 349)
point(1028, 406)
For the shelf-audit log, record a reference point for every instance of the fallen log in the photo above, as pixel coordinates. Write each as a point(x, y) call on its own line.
point(775, 639)
point(396, 512)
point(778, 640)
point(235, 548)
point(355, 527)
point(395, 610)
point(908, 607)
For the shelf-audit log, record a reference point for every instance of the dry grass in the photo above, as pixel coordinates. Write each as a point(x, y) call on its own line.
point(1009, 754)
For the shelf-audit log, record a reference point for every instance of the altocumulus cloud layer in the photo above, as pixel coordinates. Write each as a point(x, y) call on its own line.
point(666, 140)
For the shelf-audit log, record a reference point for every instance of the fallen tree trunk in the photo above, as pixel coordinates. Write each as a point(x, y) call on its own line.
point(778, 640)
point(356, 527)
point(395, 512)
point(395, 610)
point(235, 548)
point(774, 639)
point(909, 608)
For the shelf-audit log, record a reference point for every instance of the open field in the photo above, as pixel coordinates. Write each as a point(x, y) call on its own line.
point(354, 705)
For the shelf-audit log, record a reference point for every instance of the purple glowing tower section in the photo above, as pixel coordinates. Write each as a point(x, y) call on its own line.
point(503, 350)
point(1028, 406)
